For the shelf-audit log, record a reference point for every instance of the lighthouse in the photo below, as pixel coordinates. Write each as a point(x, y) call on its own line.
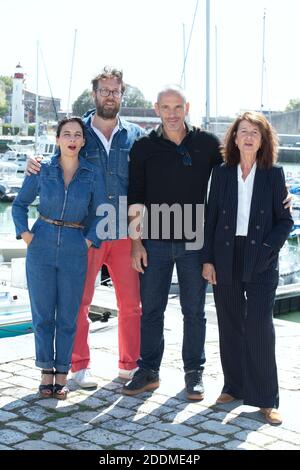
point(17, 114)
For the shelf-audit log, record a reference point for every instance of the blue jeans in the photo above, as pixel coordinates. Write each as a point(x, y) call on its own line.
point(55, 276)
point(155, 285)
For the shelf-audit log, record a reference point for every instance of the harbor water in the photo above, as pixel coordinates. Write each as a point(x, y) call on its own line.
point(7, 226)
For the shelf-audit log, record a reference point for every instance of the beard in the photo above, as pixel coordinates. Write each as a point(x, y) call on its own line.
point(107, 113)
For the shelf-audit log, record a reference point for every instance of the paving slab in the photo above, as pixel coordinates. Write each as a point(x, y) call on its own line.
point(104, 419)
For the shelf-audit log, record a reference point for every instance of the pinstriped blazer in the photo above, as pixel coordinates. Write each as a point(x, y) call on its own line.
point(269, 224)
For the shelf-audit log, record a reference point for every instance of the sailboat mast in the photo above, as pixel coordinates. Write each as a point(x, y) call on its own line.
point(37, 99)
point(71, 74)
point(216, 58)
point(183, 42)
point(188, 45)
point(207, 102)
point(263, 64)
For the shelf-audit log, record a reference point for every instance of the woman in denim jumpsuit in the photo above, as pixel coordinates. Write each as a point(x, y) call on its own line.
point(70, 190)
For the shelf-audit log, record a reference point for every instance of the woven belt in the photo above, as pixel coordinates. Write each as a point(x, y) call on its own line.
point(61, 223)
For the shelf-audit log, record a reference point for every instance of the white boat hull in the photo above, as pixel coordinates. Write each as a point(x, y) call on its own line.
point(15, 312)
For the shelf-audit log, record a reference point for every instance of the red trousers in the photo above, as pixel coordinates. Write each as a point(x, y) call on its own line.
point(116, 255)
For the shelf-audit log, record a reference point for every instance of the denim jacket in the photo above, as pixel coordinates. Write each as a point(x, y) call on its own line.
point(75, 203)
point(114, 168)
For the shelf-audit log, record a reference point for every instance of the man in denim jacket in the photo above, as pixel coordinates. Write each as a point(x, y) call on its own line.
point(108, 142)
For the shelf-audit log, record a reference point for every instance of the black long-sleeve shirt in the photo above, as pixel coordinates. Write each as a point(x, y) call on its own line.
point(157, 175)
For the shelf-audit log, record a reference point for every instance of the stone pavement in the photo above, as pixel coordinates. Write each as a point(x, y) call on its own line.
point(104, 419)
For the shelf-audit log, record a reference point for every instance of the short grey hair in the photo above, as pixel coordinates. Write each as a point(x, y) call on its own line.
point(177, 89)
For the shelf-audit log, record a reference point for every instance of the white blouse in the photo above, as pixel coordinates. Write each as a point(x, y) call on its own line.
point(245, 190)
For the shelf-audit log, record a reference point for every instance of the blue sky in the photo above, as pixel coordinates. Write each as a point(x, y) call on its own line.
point(145, 38)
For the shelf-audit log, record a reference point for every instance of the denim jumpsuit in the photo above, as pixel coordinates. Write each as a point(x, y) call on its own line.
point(56, 260)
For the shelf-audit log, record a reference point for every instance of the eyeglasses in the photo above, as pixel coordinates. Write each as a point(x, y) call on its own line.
point(186, 157)
point(106, 92)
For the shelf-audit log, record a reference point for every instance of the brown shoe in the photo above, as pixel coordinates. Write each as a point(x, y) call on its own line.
point(272, 415)
point(194, 385)
point(143, 380)
point(225, 398)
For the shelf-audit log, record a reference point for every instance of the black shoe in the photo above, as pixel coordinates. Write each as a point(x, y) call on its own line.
point(194, 385)
point(60, 391)
point(46, 390)
point(143, 380)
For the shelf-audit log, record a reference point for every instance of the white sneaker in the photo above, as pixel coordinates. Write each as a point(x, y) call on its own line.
point(127, 374)
point(84, 378)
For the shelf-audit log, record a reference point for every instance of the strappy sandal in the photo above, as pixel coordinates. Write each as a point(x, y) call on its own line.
point(60, 392)
point(46, 390)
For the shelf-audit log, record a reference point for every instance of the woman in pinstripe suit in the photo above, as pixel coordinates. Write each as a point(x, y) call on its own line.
point(246, 225)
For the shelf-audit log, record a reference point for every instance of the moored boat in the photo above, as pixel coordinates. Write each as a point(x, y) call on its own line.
point(15, 312)
point(10, 183)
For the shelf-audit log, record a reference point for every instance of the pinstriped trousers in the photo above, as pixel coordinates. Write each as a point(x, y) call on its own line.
point(247, 336)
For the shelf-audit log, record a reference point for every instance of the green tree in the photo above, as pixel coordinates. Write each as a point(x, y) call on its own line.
point(5, 92)
point(3, 102)
point(83, 103)
point(134, 98)
point(293, 104)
